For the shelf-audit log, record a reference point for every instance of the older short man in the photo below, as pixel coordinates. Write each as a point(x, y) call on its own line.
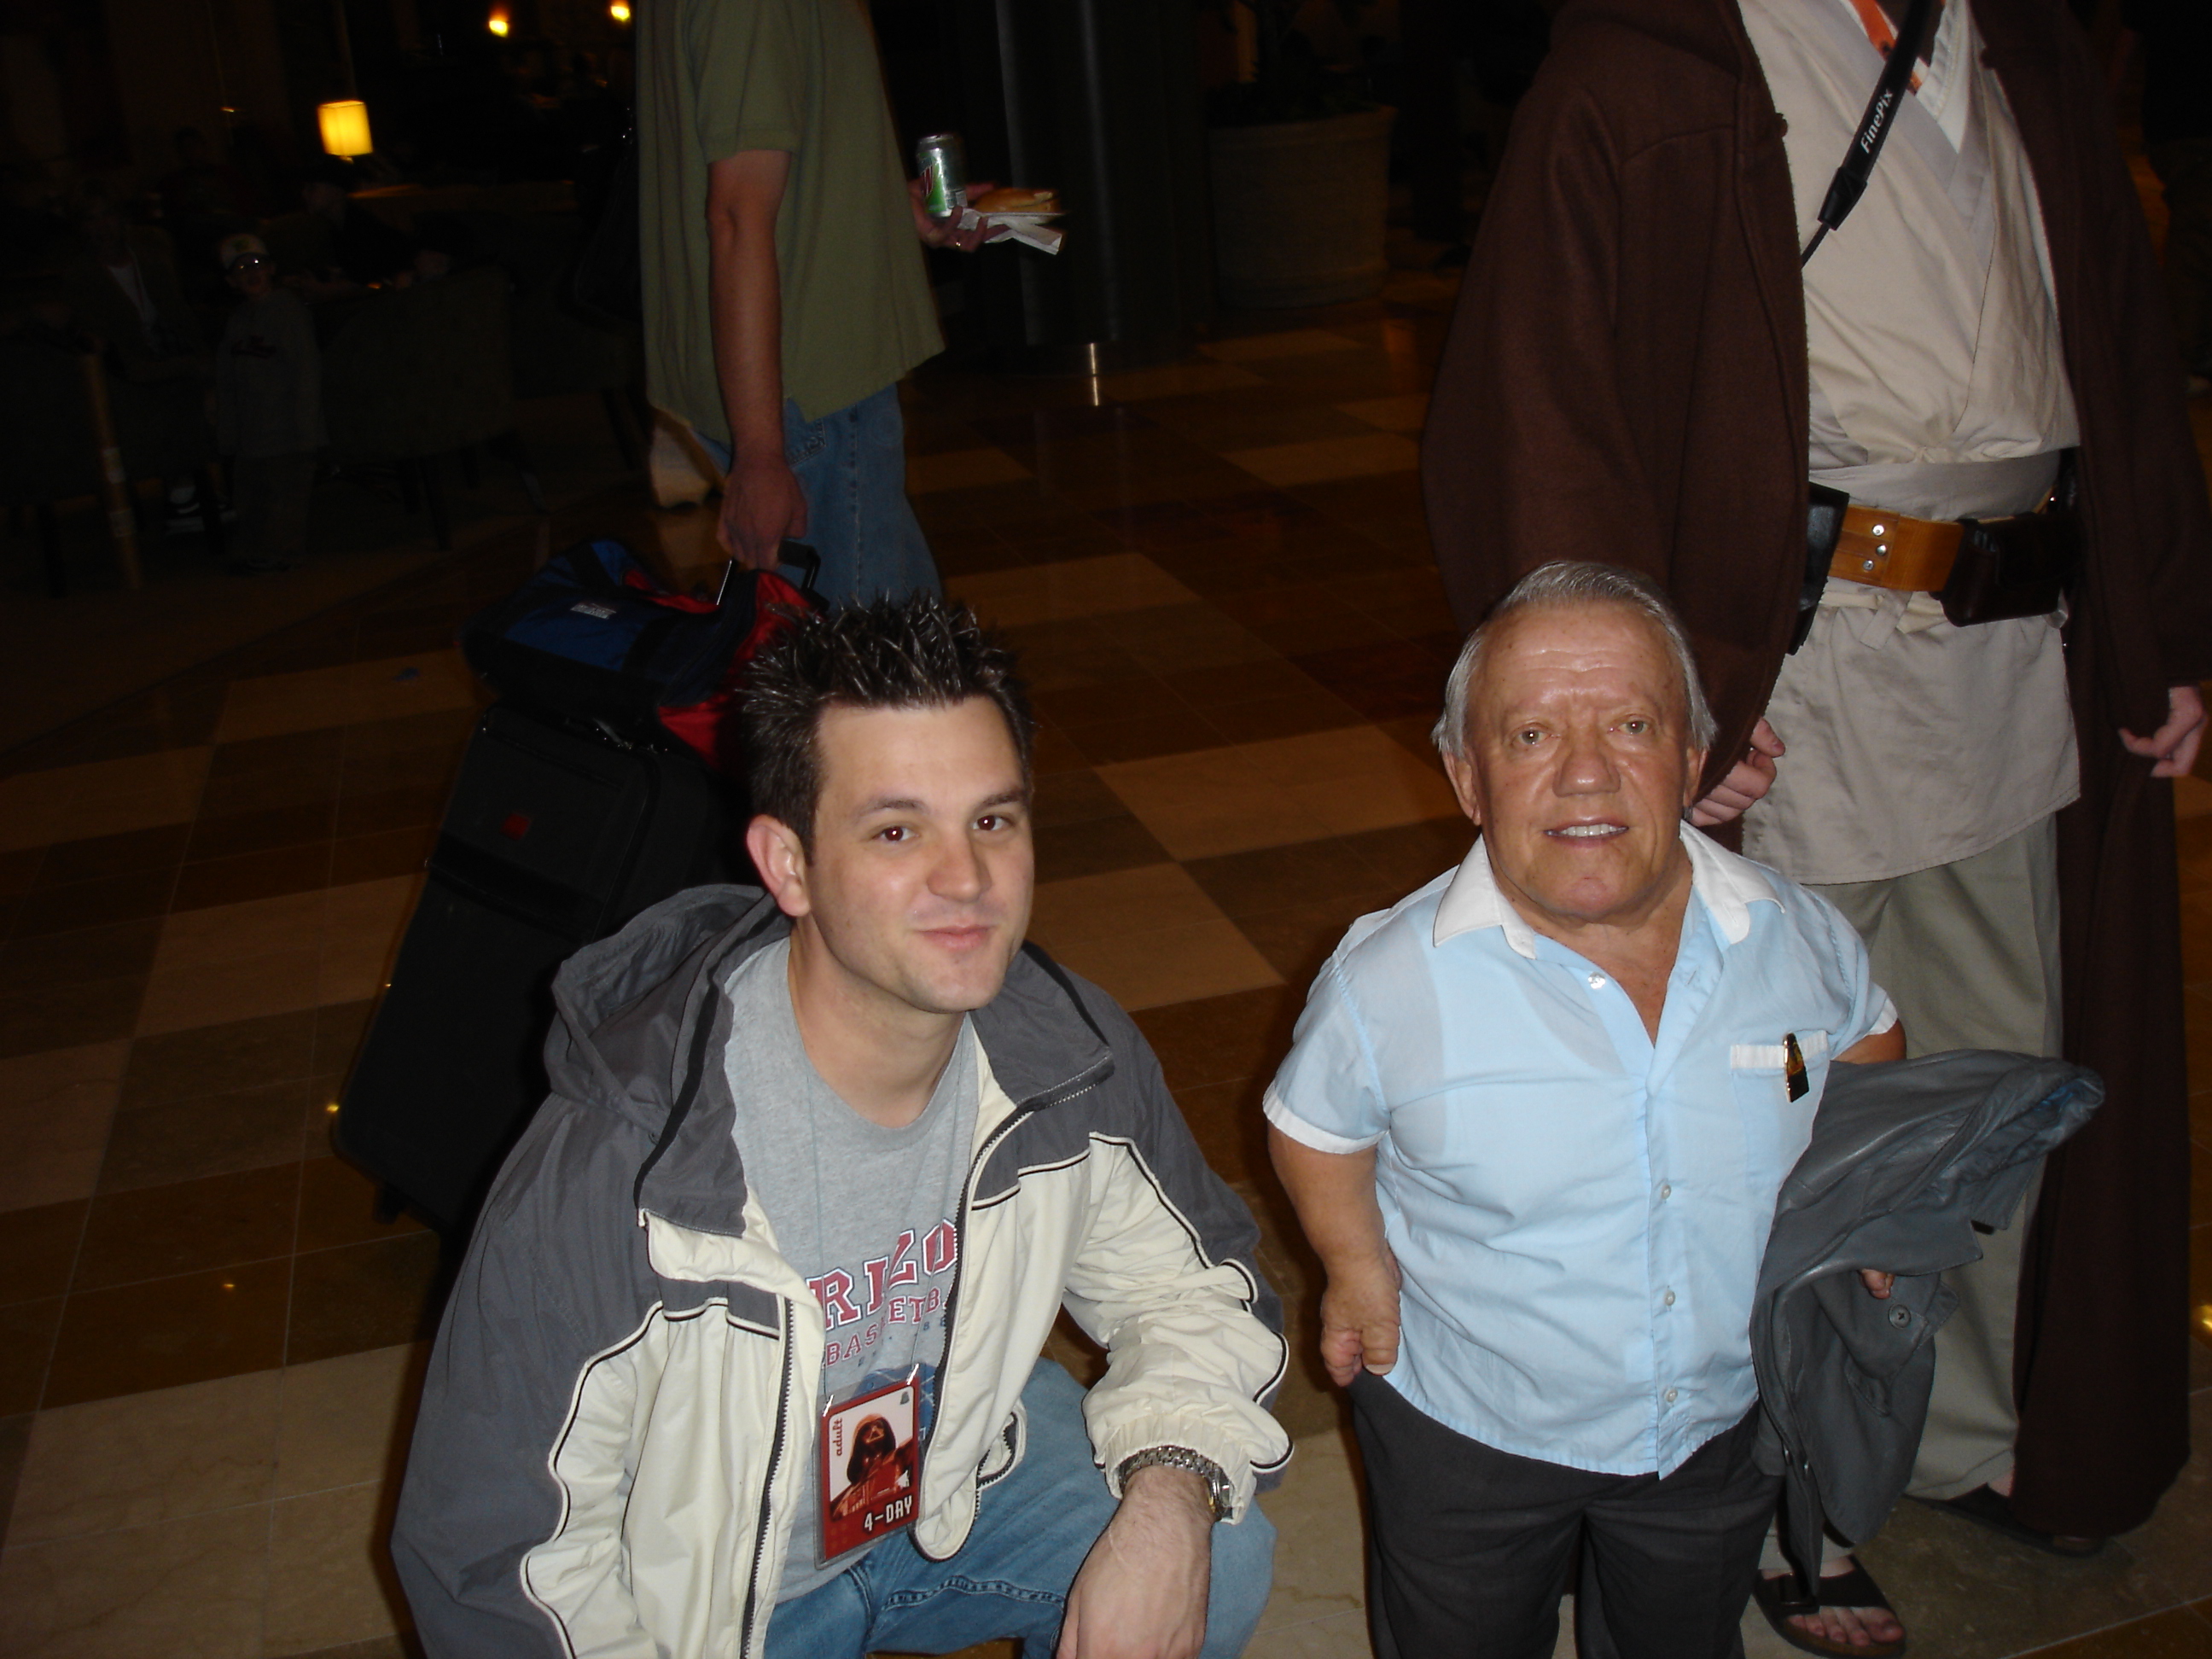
point(1534, 1122)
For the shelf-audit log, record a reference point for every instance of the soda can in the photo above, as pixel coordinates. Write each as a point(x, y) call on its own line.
point(944, 171)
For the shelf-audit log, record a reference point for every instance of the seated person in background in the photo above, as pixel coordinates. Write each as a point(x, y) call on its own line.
point(841, 1151)
point(358, 248)
point(123, 290)
point(269, 409)
point(1534, 1122)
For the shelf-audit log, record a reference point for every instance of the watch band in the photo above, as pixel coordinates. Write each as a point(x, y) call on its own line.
point(1219, 1493)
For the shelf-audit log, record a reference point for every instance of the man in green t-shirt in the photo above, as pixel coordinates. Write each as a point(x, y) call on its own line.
point(784, 291)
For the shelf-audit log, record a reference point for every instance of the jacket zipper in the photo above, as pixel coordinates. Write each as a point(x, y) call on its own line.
point(952, 1296)
point(768, 1485)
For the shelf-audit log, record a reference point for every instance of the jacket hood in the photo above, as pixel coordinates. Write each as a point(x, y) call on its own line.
point(641, 1023)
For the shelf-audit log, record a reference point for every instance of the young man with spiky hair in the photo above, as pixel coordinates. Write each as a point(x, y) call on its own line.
point(743, 1358)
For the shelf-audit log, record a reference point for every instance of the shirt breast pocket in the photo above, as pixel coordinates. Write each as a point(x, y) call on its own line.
point(1777, 1120)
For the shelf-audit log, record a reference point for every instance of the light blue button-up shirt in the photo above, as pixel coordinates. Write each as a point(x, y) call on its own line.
point(1578, 1210)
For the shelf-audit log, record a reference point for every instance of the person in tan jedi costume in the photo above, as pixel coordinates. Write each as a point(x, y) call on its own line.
point(1640, 371)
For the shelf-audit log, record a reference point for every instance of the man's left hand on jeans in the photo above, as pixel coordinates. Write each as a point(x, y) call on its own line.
point(1141, 1594)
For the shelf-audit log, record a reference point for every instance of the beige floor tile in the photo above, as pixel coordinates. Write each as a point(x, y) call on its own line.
point(55, 1108)
point(1292, 342)
point(1273, 793)
point(341, 1422)
point(101, 797)
point(346, 694)
point(1403, 413)
point(1141, 900)
point(1174, 380)
point(1148, 935)
point(1060, 592)
point(1341, 1635)
point(361, 926)
point(1173, 964)
point(145, 1458)
point(329, 1576)
point(190, 1589)
point(1320, 1551)
point(220, 933)
point(1320, 459)
point(960, 469)
point(215, 993)
point(273, 956)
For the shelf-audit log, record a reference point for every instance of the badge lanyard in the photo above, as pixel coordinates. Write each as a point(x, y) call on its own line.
point(867, 1456)
point(1850, 181)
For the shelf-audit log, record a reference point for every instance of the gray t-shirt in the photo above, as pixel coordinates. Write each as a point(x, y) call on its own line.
point(867, 1215)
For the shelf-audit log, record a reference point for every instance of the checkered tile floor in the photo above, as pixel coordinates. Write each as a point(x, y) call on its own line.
point(1218, 575)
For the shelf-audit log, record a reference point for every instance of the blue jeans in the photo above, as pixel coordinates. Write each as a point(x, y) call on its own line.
point(852, 465)
point(1033, 1527)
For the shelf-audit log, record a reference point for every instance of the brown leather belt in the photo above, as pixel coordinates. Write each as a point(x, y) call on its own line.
point(1888, 550)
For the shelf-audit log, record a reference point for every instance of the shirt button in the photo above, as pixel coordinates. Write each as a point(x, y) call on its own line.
point(1597, 982)
point(1669, 1298)
point(1666, 1191)
point(1669, 1396)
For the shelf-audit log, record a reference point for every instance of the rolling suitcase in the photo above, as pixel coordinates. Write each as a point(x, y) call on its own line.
point(557, 835)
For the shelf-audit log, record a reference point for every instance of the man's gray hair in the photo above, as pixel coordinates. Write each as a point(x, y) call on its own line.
point(1570, 584)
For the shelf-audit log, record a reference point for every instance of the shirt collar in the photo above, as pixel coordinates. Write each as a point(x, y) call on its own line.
point(1729, 886)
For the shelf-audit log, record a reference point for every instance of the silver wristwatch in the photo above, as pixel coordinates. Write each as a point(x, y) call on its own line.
point(1219, 1492)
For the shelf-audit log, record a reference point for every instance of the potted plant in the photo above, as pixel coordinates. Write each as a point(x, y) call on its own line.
point(1300, 161)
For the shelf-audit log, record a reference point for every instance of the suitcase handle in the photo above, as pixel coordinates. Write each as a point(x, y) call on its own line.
point(795, 556)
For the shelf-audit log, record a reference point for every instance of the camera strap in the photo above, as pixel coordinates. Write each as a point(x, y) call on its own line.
point(1850, 181)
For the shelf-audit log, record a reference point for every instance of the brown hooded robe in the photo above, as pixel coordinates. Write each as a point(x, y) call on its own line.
point(1625, 380)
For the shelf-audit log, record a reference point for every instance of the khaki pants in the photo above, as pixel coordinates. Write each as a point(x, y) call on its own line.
point(1969, 953)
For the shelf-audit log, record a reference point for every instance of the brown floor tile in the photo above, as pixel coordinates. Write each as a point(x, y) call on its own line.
point(310, 783)
point(104, 857)
point(94, 903)
point(68, 1016)
point(362, 1296)
point(1269, 879)
point(1226, 1121)
point(338, 1206)
point(1054, 753)
point(1281, 717)
point(1405, 856)
point(208, 1135)
point(37, 1248)
point(239, 833)
point(2177, 1633)
point(1298, 940)
point(170, 1331)
point(1147, 738)
point(339, 1029)
point(290, 752)
point(1217, 1039)
point(252, 876)
point(123, 949)
point(182, 1227)
point(219, 1059)
point(1099, 845)
point(15, 1444)
point(27, 1343)
point(1387, 680)
point(388, 852)
point(391, 809)
point(19, 869)
point(1080, 795)
point(1137, 698)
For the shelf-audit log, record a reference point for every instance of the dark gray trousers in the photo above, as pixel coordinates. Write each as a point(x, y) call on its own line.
point(1469, 1547)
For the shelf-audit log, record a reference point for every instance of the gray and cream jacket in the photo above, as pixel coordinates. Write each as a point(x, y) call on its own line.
point(622, 1398)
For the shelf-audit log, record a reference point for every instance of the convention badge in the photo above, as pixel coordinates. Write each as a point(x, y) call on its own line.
point(867, 1456)
point(1793, 1068)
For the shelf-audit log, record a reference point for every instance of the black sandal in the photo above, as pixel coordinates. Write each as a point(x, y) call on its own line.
point(1856, 1589)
